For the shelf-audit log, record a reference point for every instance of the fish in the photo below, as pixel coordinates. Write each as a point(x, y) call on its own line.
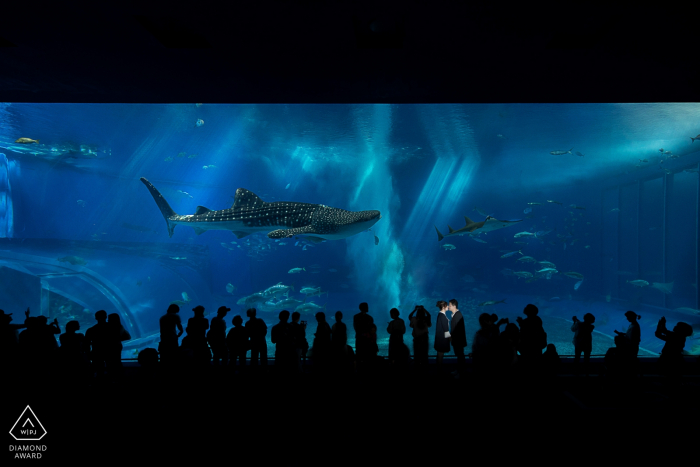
point(185, 297)
point(615, 210)
point(491, 302)
point(181, 154)
point(26, 141)
point(185, 193)
point(178, 257)
point(169, 159)
point(535, 204)
point(280, 219)
point(527, 259)
point(376, 240)
point(296, 270)
point(555, 202)
point(638, 283)
point(692, 140)
point(487, 225)
point(576, 207)
point(309, 307)
point(574, 275)
point(578, 284)
point(199, 122)
point(507, 255)
point(230, 288)
point(541, 233)
point(74, 260)
point(527, 210)
point(448, 246)
point(503, 137)
point(81, 203)
point(209, 167)
point(587, 246)
point(288, 185)
point(288, 303)
point(560, 153)
point(193, 156)
point(665, 288)
point(547, 264)
point(686, 309)
point(278, 289)
point(547, 270)
point(523, 274)
point(478, 240)
point(579, 154)
point(523, 234)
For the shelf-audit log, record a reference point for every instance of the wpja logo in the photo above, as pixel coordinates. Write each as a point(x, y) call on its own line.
point(28, 428)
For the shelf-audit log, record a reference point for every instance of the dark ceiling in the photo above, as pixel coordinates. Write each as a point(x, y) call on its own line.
point(339, 51)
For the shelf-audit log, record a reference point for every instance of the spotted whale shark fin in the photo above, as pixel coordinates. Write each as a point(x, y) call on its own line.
point(240, 234)
point(201, 210)
point(286, 233)
point(163, 205)
point(245, 198)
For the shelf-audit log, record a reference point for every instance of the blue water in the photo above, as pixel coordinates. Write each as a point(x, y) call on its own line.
point(621, 210)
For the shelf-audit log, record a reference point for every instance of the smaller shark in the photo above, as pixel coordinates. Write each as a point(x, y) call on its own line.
point(487, 225)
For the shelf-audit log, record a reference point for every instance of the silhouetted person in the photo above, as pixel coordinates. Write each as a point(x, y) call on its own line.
point(506, 345)
point(281, 336)
point(633, 334)
point(117, 335)
point(148, 359)
point(583, 339)
point(550, 360)
point(301, 346)
point(362, 323)
point(321, 349)
point(339, 334)
point(196, 338)
point(97, 341)
point(442, 332)
point(671, 359)
point(237, 343)
point(497, 324)
point(458, 334)
point(619, 360)
point(73, 351)
point(533, 339)
point(398, 352)
point(9, 338)
point(217, 337)
point(170, 332)
point(419, 321)
point(257, 330)
point(484, 346)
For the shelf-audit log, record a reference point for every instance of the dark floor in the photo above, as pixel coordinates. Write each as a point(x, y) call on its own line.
point(379, 417)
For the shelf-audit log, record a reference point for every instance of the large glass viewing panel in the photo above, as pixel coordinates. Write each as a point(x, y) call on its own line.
point(576, 208)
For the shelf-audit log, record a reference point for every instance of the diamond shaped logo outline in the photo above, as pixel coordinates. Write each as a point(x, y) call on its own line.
point(21, 417)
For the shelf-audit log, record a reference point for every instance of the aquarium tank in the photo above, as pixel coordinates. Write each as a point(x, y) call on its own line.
point(575, 208)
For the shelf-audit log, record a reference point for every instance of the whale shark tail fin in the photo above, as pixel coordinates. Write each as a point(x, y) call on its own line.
point(163, 205)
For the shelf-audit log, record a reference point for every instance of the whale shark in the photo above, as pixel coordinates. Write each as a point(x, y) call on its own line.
point(487, 225)
point(280, 219)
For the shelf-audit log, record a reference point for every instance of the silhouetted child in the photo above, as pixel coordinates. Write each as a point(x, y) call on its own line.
point(551, 360)
point(237, 343)
point(618, 359)
point(217, 337)
point(633, 334)
point(533, 338)
point(583, 339)
point(671, 359)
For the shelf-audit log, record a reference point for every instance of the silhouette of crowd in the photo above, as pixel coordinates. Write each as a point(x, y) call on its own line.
point(517, 348)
